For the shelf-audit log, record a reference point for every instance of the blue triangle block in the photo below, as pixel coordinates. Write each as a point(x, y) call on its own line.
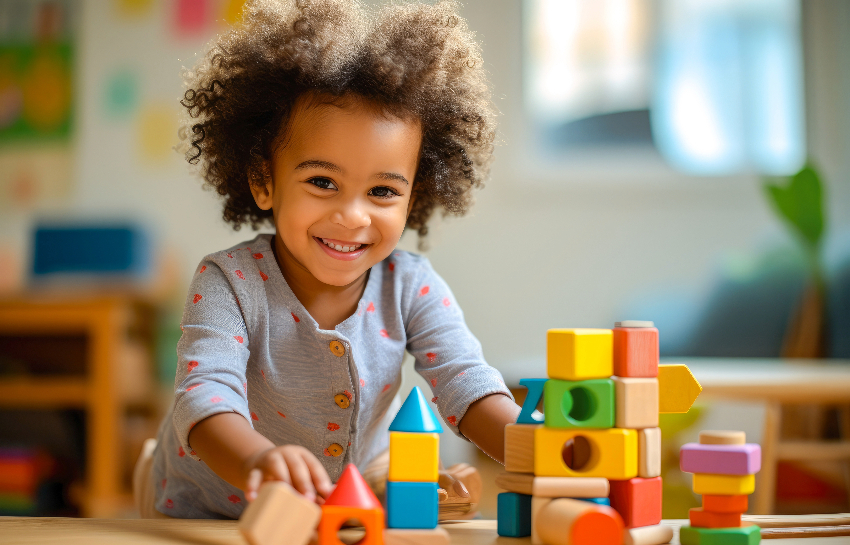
point(415, 415)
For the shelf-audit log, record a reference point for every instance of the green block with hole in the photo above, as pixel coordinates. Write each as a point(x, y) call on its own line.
point(579, 404)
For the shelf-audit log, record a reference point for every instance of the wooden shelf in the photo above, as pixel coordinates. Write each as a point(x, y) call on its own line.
point(44, 393)
point(813, 451)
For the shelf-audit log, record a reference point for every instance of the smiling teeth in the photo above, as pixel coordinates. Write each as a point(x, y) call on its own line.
point(338, 248)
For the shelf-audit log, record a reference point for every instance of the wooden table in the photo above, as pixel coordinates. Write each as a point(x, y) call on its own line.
point(779, 382)
point(32, 531)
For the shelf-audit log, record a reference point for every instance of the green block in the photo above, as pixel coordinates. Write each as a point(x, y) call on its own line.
point(747, 535)
point(579, 404)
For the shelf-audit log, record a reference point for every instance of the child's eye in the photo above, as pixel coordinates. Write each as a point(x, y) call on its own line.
point(383, 192)
point(322, 183)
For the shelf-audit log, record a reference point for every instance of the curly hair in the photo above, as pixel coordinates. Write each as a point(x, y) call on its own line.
point(411, 59)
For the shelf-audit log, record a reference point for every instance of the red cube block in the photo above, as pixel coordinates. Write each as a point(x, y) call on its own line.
point(636, 352)
point(637, 500)
point(725, 504)
point(708, 519)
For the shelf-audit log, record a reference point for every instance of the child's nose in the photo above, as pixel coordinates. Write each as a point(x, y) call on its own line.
point(352, 214)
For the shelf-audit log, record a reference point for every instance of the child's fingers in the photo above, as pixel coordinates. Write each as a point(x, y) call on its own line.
point(300, 475)
point(276, 468)
point(255, 478)
point(320, 476)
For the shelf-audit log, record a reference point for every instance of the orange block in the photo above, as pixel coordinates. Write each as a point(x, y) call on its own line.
point(636, 352)
point(334, 516)
point(708, 519)
point(725, 504)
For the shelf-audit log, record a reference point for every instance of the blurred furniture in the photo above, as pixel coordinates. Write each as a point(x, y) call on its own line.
point(779, 382)
point(224, 532)
point(116, 374)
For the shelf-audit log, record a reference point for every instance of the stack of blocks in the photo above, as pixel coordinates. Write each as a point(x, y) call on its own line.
point(724, 468)
point(591, 472)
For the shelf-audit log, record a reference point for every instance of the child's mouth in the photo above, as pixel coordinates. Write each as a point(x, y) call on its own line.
point(347, 251)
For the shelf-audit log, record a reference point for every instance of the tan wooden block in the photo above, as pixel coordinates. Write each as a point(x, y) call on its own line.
point(537, 505)
point(565, 521)
point(722, 437)
point(554, 487)
point(649, 452)
point(519, 447)
point(398, 536)
point(279, 516)
point(637, 402)
point(648, 535)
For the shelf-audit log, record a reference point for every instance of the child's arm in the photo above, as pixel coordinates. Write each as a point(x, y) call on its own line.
point(484, 424)
point(245, 458)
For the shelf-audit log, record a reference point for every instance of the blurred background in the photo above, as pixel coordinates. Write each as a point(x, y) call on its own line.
point(681, 161)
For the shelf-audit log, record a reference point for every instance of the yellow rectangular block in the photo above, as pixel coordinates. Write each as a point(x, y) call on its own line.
point(579, 354)
point(611, 453)
point(724, 485)
point(637, 402)
point(414, 457)
point(519, 447)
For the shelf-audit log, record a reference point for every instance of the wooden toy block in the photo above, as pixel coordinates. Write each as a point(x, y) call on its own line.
point(648, 535)
point(677, 388)
point(532, 400)
point(725, 504)
point(637, 402)
point(726, 485)
point(513, 514)
point(745, 535)
point(411, 505)
point(579, 404)
point(637, 500)
point(279, 516)
point(571, 522)
point(351, 499)
point(398, 536)
point(610, 453)
point(720, 459)
point(722, 437)
point(519, 447)
point(554, 487)
point(636, 352)
point(649, 452)
point(701, 518)
point(415, 415)
point(414, 456)
point(537, 504)
point(579, 354)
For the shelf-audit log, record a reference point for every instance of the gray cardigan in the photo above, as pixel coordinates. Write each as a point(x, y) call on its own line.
point(250, 347)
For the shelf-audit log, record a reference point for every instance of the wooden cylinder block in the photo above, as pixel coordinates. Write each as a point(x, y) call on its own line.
point(722, 437)
point(575, 522)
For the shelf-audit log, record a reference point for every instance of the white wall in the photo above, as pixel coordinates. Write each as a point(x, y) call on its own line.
point(542, 248)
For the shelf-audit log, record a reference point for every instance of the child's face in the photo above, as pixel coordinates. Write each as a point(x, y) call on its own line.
point(344, 178)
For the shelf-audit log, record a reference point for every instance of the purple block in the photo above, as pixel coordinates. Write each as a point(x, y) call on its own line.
point(720, 459)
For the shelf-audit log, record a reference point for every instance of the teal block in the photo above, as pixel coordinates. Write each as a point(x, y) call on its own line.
point(411, 505)
point(415, 415)
point(514, 514)
point(747, 535)
point(532, 398)
point(579, 404)
point(597, 501)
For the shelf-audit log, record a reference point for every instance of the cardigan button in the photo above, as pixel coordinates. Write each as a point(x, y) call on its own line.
point(335, 449)
point(342, 400)
point(337, 348)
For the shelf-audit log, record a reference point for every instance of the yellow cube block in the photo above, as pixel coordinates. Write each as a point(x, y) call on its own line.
point(610, 453)
point(578, 354)
point(414, 457)
point(724, 485)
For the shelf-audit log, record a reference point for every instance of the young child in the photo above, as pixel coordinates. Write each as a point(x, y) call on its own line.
point(340, 128)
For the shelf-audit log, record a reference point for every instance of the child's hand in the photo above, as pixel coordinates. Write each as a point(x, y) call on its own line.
point(291, 464)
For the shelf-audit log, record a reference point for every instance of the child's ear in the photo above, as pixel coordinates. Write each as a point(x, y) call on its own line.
point(263, 193)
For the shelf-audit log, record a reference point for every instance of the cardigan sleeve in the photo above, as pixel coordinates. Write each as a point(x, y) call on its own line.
point(212, 354)
point(447, 354)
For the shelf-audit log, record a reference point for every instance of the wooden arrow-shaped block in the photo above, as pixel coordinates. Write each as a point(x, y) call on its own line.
point(677, 388)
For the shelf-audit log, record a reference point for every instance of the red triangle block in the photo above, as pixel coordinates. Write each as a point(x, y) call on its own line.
point(352, 491)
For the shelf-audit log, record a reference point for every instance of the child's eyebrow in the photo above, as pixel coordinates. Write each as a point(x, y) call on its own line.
point(392, 176)
point(313, 163)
